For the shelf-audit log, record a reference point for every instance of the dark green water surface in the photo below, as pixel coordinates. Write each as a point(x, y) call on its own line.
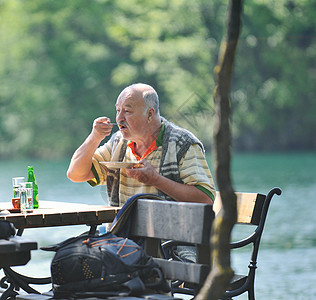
point(286, 263)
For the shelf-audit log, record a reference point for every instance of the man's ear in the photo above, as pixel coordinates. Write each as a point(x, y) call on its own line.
point(150, 114)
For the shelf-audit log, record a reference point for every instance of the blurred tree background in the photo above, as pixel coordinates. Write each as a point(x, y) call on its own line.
point(63, 63)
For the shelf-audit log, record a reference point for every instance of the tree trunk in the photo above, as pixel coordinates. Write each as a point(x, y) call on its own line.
point(221, 273)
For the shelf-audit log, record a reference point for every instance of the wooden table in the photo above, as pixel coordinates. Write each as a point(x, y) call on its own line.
point(50, 214)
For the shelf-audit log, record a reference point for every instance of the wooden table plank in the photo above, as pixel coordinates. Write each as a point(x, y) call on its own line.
point(52, 213)
point(17, 219)
point(87, 216)
point(51, 220)
point(70, 218)
point(107, 215)
point(33, 219)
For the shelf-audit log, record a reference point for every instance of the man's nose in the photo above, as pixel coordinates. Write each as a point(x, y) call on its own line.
point(119, 116)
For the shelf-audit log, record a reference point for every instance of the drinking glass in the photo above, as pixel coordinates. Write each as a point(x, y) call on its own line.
point(16, 181)
point(26, 196)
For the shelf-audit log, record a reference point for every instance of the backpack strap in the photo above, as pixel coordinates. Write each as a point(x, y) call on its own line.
point(121, 225)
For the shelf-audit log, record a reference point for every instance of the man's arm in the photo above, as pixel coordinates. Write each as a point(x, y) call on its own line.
point(181, 192)
point(81, 162)
point(178, 191)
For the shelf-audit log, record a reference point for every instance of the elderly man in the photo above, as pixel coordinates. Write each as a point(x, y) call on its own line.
point(171, 159)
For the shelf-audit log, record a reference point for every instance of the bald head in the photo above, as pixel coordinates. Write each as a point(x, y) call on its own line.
point(145, 92)
point(137, 114)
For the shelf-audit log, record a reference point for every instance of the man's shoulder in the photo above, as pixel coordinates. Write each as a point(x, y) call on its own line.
point(175, 133)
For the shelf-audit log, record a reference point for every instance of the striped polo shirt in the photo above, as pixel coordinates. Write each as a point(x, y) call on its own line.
point(193, 168)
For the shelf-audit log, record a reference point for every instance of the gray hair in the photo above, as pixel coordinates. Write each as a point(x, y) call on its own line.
point(151, 100)
point(149, 95)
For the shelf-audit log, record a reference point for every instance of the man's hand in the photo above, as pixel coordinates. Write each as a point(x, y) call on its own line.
point(145, 173)
point(80, 165)
point(178, 191)
point(101, 128)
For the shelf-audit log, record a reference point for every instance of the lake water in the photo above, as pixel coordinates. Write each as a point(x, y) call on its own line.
point(286, 263)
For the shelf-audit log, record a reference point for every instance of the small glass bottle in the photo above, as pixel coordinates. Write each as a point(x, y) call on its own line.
point(31, 178)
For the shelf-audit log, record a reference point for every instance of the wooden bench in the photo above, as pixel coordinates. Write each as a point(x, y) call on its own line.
point(14, 251)
point(191, 223)
point(252, 209)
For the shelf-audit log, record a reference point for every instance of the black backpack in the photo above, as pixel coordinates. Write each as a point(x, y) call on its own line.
point(7, 229)
point(102, 266)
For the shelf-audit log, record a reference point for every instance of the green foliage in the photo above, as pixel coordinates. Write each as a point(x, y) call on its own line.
point(275, 73)
point(63, 63)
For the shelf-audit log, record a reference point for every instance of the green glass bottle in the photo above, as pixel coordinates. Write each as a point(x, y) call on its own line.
point(31, 178)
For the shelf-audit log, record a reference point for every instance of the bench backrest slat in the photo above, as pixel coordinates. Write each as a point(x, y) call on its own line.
point(180, 221)
point(249, 206)
point(185, 222)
